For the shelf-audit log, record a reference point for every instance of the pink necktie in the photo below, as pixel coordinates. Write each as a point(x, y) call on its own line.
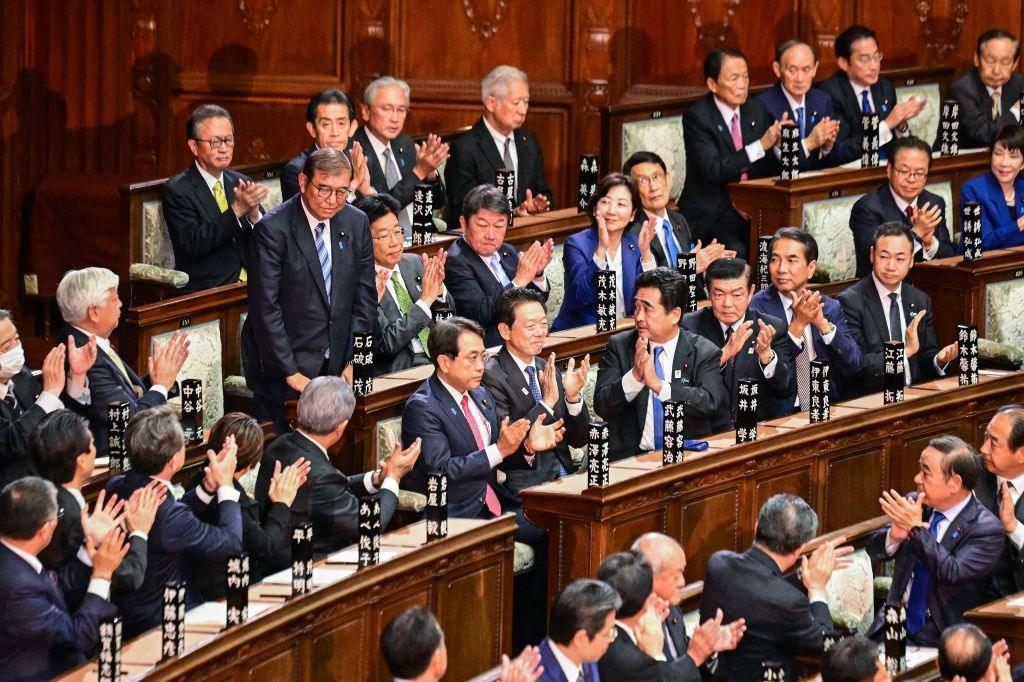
point(490, 497)
point(737, 138)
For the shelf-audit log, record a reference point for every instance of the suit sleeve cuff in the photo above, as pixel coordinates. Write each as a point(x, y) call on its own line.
point(941, 369)
point(494, 457)
point(49, 402)
point(648, 265)
point(100, 587)
point(928, 252)
point(142, 535)
point(541, 283)
point(390, 484)
point(227, 493)
point(769, 369)
point(755, 152)
point(630, 386)
point(827, 338)
point(574, 408)
point(425, 308)
point(159, 388)
point(204, 497)
point(1017, 536)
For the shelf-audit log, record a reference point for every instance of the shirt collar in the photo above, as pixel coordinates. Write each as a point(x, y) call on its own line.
point(734, 326)
point(380, 268)
point(955, 510)
point(499, 139)
point(523, 365)
point(726, 111)
point(858, 88)
point(793, 104)
point(210, 180)
point(669, 346)
point(77, 494)
point(456, 396)
point(992, 91)
point(571, 671)
point(902, 203)
point(32, 561)
point(1017, 483)
point(660, 216)
point(883, 292)
point(629, 630)
point(102, 342)
point(319, 447)
point(4, 387)
point(312, 219)
point(378, 144)
point(787, 302)
point(167, 484)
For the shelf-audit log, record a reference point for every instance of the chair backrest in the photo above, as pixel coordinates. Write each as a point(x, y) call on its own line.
point(1004, 312)
point(205, 363)
point(663, 136)
point(389, 434)
point(926, 124)
point(555, 274)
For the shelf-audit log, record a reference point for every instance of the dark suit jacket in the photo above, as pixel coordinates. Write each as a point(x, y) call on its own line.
point(869, 325)
point(677, 633)
point(329, 499)
point(843, 354)
point(998, 230)
point(448, 447)
point(40, 637)
point(513, 399)
point(1008, 575)
point(977, 129)
point(746, 365)
point(847, 108)
point(14, 432)
point(108, 385)
point(475, 160)
point(403, 150)
point(959, 566)
point(817, 106)
point(289, 326)
point(177, 541)
point(624, 660)
point(553, 671)
point(877, 207)
point(684, 237)
point(475, 288)
point(208, 245)
point(699, 387)
point(396, 331)
point(712, 162)
point(290, 173)
point(579, 305)
point(780, 621)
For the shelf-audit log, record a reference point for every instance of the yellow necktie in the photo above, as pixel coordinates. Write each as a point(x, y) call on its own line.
point(222, 204)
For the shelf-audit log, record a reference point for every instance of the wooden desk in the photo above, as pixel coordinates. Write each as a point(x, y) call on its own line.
point(711, 501)
point(334, 632)
point(1003, 619)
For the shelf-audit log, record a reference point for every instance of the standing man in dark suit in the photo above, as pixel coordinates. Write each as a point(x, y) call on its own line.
point(330, 121)
point(525, 386)
point(817, 325)
point(498, 140)
point(754, 345)
point(402, 325)
point(330, 499)
point(311, 288)
point(903, 199)
point(581, 629)
point(480, 264)
point(783, 616)
point(156, 450)
point(209, 209)
point(657, 361)
point(858, 88)
point(944, 559)
point(794, 99)
point(989, 93)
point(91, 309)
point(883, 307)
point(727, 140)
point(40, 636)
point(999, 489)
point(395, 164)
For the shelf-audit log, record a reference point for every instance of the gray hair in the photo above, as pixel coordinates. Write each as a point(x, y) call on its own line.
point(328, 161)
point(385, 82)
point(785, 523)
point(655, 547)
point(80, 289)
point(6, 315)
point(153, 437)
point(496, 83)
point(325, 403)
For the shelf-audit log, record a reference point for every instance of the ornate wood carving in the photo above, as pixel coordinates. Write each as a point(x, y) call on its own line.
point(484, 20)
point(257, 150)
point(712, 35)
point(145, 80)
point(368, 53)
point(941, 46)
point(256, 14)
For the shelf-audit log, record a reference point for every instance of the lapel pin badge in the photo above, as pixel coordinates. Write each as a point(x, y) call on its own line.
point(484, 402)
point(678, 374)
point(525, 391)
point(454, 413)
point(630, 247)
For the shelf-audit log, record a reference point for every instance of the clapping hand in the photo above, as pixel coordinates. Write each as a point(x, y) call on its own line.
point(430, 154)
point(911, 341)
point(735, 343)
point(1006, 509)
point(525, 667)
point(142, 506)
point(381, 281)
point(543, 436)
point(108, 554)
point(817, 569)
point(285, 484)
point(106, 515)
point(926, 219)
point(575, 379)
point(53, 371)
point(360, 171)
point(706, 255)
point(533, 204)
point(549, 384)
point(220, 468)
point(80, 359)
point(647, 234)
point(763, 344)
point(399, 463)
point(902, 512)
point(947, 354)
point(510, 436)
point(166, 361)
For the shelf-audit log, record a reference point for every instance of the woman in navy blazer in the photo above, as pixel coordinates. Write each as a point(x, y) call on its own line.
point(613, 206)
point(1000, 193)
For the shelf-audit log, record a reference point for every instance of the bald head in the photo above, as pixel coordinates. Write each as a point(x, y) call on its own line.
point(668, 563)
point(965, 651)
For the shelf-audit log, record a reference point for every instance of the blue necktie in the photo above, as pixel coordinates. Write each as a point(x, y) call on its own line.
point(865, 102)
point(659, 410)
point(531, 371)
point(670, 245)
point(917, 603)
point(800, 121)
point(325, 260)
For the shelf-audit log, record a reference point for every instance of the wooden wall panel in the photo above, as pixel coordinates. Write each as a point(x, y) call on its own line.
point(342, 650)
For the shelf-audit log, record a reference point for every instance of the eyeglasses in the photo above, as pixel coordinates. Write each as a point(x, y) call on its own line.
point(866, 59)
point(218, 142)
point(655, 179)
point(396, 235)
point(323, 191)
point(911, 175)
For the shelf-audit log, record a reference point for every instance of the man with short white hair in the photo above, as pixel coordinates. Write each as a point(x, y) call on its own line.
point(91, 309)
point(394, 162)
point(498, 141)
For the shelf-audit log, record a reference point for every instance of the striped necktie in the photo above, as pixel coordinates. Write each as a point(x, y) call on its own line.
point(325, 259)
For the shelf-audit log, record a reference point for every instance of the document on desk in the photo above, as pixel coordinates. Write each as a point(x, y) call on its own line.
point(215, 614)
point(351, 556)
point(321, 576)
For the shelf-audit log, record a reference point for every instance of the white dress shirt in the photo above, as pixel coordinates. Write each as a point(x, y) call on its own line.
point(387, 484)
point(571, 671)
point(885, 133)
point(883, 297)
point(499, 142)
point(1016, 488)
point(417, 347)
point(659, 231)
point(793, 106)
point(483, 426)
point(631, 388)
point(103, 344)
point(928, 252)
point(379, 146)
point(755, 152)
point(613, 261)
point(807, 340)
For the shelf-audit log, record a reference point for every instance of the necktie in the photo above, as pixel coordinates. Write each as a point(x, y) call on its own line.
point(659, 409)
point(865, 102)
point(490, 498)
point(895, 328)
point(218, 195)
point(800, 122)
point(325, 260)
point(730, 367)
point(495, 264)
point(404, 302)
point(531, 372)
point(670, 244)
point(670, 646)
point(116, 359)
point(12, 401)
point(910, 214)
point(737, 138)
point(917, 602)
point(803, 368)
point(995, 104)
point(392, 178)
point(506, 158)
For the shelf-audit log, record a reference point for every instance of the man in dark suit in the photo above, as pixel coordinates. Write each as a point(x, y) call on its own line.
point(754, 345)
point(883, 307)
point(853, 659)
point(966, 653)
point(395, 164)
point(330, 499)
point(402, 325)
point(330, 121)
point(945, 558)
point(91, 309)
point(156, 447)
point(480, 264)
point(817, 325)
point(525, 386)
point(794, 99)
point(580, 631)
point(999, 489)
point(40, 636)
point(858, 88)
point(784, 616)
point(25, 400)
point(989, 92)
point(311, 287)
point(498, 141)
point(656, 362)
point(210, 209)
point(727, 140)
point(903, 199)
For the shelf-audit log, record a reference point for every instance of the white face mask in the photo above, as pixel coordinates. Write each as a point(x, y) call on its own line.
point(11, 362)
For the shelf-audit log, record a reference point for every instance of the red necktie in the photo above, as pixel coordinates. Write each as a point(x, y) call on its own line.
point(910, 213)
point(737, 138)
point(490, 497)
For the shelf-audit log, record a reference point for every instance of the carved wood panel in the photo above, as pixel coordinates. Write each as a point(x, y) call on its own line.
point(709, 523)
point(278, 666)
point(342, 648)
point(473, 597)
point(844, 504)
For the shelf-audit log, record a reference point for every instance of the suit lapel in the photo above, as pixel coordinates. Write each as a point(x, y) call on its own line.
point(205, 195)
point(720, 125)
point(889, 205)
point(411, 277)
point(879, 101)
point(910, 307)
point(340, 255)
point(509, 261)
point(21, 384)
point(481, 397)
point(372, 161)
point(453, 412)
point(304, 238)
point(955, 531)
point(681, 359)
point(517, 382)
point(875, 308)
point(490, 150)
